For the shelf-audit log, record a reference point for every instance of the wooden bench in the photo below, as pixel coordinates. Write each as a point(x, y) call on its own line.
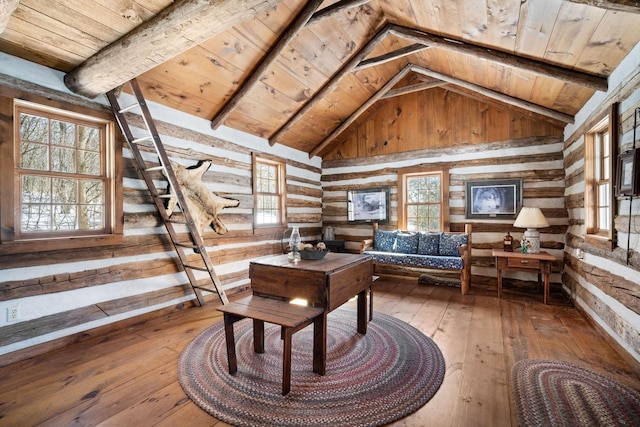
point(406, 258)
point(291, 317)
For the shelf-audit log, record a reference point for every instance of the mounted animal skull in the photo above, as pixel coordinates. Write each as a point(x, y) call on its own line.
point(204, 205)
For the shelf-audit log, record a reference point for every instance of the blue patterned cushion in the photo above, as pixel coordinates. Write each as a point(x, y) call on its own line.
point(449, 243)
point(406, 243)
point(419, 261)
point(384, 240)
point(429, 243)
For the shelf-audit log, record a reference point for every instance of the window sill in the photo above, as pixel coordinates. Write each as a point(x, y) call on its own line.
point(600, 242)
point(56, 244)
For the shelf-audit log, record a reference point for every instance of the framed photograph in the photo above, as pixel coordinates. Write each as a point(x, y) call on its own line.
point(495, 199)
point(369, 205)
point(627, 173)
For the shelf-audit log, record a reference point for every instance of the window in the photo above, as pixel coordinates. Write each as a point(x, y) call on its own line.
point(599, 155)
point(424, 200)
point(62, 165)
point(269, 190)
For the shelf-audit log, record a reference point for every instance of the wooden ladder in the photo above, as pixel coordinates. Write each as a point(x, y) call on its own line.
point(197, 244)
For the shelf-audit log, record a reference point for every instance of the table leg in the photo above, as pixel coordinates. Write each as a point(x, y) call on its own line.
point(547, 272)
point(362, 312)
point(320, 344)
point(539, 279)
point(286, 361)
point(499, 273)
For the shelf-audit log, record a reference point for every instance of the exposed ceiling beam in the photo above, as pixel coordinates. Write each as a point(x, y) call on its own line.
point(557, 115)
point(6, 9)
point(332, 82)
point(334, 9)
point(418, 87)
point(354, 116)
point(631, 6)
point(391, 56)
point(177, 28)
point(536, 67)
point(272, 56)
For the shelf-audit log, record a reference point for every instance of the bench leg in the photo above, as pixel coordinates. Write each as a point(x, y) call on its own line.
point(258, 336)
point(320, 344)
point(286, 360)
point(229, 320)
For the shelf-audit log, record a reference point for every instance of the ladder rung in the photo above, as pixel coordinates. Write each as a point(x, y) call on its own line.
point(202, 288)
point(176, 221)
point(167, 196)
point(129, 108)
point(193, 267)
point(154, 168)
point(186, 245)
point(139, 140)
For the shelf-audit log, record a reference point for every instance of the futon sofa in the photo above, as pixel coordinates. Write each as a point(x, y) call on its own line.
point(439, 251)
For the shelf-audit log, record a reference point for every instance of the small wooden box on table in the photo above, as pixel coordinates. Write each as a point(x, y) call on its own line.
point(539, 262)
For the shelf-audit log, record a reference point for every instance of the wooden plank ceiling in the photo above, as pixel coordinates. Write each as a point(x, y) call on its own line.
point(301, 72)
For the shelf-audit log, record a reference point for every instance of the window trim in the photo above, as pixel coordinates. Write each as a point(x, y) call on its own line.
point(404, 173)
point(593, 235)
point(282, 180)
point(12, 242)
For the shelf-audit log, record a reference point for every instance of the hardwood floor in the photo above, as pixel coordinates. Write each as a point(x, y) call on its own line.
point(129, 378)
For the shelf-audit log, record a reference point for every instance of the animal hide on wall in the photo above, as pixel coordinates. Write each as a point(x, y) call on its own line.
point(204, 205)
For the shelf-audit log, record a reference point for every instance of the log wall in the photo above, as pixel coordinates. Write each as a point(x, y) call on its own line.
point(64, 294)
point(600, 280)
point(537, 161)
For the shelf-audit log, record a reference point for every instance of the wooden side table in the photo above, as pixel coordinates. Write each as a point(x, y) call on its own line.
point(539, 262)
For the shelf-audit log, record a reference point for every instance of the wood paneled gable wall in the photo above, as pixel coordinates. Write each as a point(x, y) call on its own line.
point(436, 118)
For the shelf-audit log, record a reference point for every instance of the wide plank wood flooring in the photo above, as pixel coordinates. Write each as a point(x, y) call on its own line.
point(129, 378)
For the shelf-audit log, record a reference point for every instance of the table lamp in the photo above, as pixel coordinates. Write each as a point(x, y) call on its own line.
point(531, 219)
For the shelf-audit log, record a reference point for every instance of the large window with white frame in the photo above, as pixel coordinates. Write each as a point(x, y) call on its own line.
point(63, 169)
point(423, 195)
point(269, 180)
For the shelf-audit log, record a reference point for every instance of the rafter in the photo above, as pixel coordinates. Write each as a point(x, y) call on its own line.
point(302, 20)
point(177, 28)
point(354, 116)
point(391, 56)
point(557, 115)
point(418, 87)
point(514, 61)
point(332, 82)
point(335, 9)
point(272, 56)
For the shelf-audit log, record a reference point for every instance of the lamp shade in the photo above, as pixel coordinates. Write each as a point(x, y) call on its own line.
point(531, 218)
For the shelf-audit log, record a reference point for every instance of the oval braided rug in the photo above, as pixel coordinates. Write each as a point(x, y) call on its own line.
point(553, 393)
point(371, 379)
